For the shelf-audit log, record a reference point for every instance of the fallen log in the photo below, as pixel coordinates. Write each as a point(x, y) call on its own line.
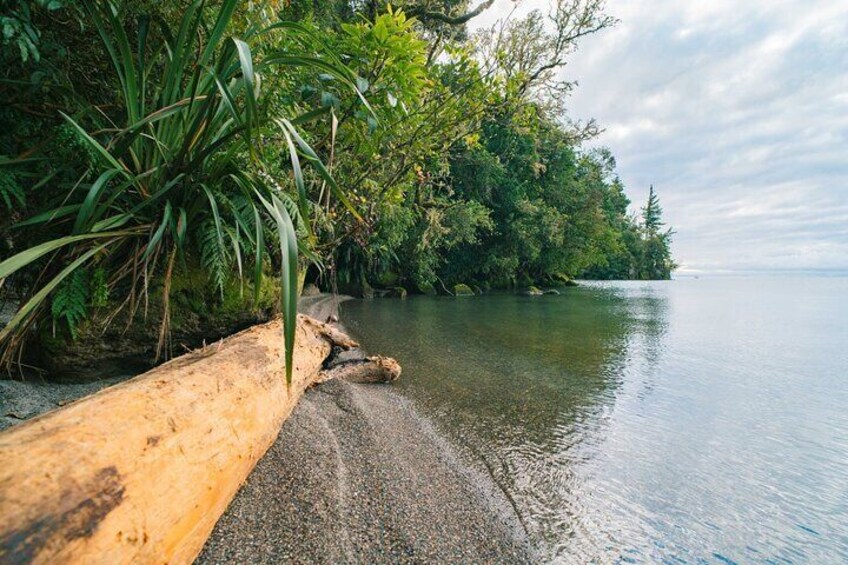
point(375, 369)
point(140, 472)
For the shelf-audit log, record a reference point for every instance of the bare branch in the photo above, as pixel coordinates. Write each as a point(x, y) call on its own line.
point(422, 13)
point(529, 52)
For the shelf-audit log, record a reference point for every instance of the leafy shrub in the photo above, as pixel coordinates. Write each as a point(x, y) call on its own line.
point(178, 171)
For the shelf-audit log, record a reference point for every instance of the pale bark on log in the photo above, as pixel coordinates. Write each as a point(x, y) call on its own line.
point(140, 472)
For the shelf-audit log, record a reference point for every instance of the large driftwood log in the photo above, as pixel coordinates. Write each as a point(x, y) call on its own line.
point(140, 472)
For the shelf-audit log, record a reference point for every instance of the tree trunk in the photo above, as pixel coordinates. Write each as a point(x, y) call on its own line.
point(140, 472)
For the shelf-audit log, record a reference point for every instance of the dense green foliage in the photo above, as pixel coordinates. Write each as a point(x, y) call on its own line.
point(354, 143)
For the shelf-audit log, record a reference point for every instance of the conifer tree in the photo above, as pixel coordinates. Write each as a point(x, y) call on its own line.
point(655, 262)
point(652, 214)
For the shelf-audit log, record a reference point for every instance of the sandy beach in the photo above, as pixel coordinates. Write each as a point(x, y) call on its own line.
point(356, 475)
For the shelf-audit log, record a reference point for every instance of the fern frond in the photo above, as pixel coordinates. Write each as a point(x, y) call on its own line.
point(70, 302)
point(214, 256)
point(99, 288)
point(241, 209)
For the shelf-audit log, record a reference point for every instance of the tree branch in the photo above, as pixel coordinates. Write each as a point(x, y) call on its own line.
point(422, 13)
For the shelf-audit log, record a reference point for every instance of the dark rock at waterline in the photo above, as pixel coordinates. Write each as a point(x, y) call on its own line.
point(550, 291)
point(532, 291)
point(394, 292)
point(357, 288)
point(397, 292)
point(462, 290)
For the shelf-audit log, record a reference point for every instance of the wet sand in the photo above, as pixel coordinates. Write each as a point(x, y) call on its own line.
point(357, 475)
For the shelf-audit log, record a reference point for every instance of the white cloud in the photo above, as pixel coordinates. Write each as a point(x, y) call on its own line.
point(737, 112)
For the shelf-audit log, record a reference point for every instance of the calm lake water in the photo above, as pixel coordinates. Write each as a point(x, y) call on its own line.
point(689, 421)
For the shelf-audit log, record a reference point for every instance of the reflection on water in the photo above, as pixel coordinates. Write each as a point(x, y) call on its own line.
point(692, 421)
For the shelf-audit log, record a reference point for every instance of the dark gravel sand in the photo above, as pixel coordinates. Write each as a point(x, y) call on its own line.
point(22, 400)
point(357, 476)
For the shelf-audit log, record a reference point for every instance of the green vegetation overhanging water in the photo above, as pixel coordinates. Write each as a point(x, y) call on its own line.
point(204, 159)
point(696, 421)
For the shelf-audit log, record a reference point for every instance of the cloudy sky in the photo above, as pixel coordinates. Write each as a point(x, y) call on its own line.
point(737, 112)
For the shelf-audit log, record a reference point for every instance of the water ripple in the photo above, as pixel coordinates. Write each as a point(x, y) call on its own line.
point(679, 422)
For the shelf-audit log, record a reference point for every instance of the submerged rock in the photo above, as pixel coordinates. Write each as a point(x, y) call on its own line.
point(462, 290)
point(550, 291)
point(533, 291)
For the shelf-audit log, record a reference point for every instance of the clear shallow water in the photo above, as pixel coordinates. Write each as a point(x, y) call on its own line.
point(690, 421)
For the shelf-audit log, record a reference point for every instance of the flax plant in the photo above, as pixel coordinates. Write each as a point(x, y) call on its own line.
point(182, 166)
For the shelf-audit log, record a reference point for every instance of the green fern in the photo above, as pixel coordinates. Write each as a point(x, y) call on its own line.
point(72, 148)
point(241, 209)
point(99, 288)
point(214, 256)
point(70, 301)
